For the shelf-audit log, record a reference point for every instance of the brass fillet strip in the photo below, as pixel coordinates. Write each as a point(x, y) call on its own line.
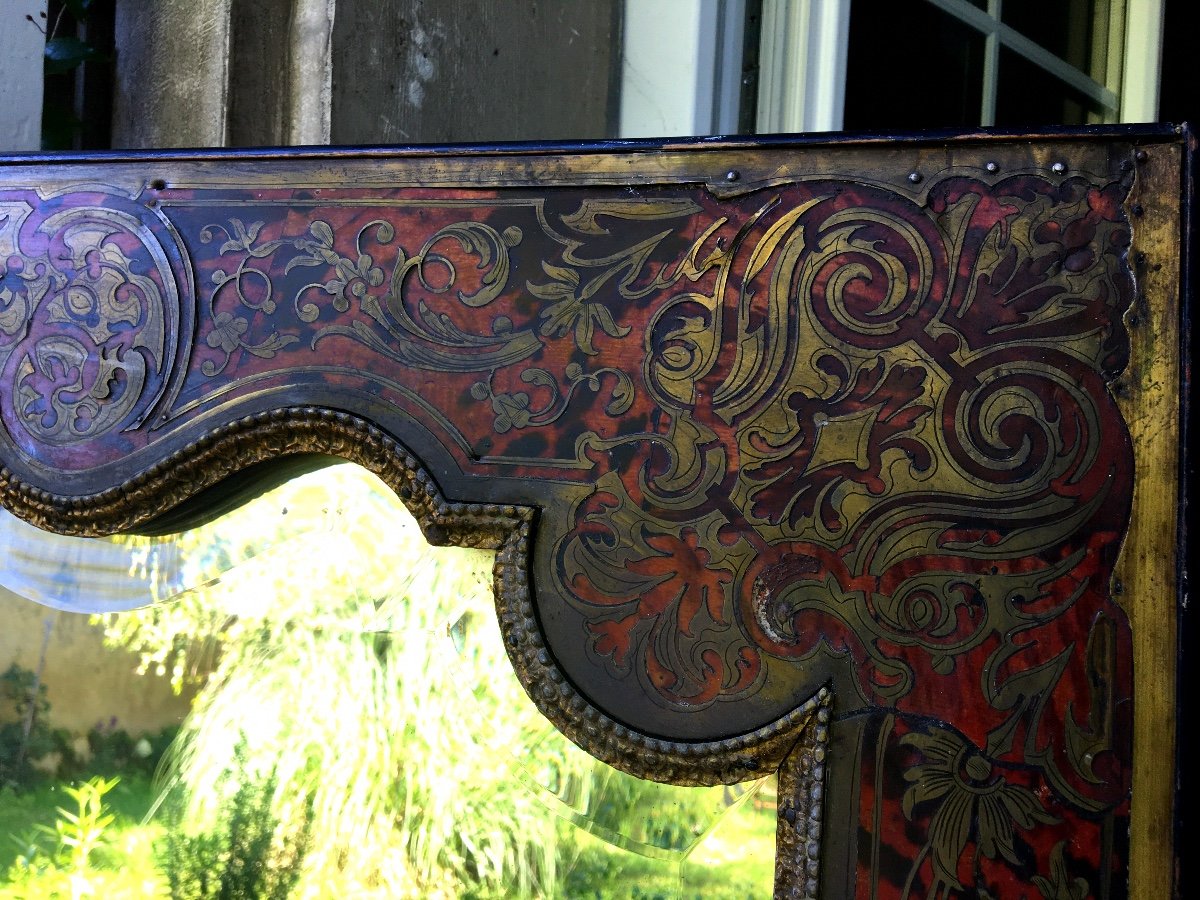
point(1148, 395)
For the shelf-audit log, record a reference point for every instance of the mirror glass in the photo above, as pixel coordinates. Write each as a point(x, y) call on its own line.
point(302, 698)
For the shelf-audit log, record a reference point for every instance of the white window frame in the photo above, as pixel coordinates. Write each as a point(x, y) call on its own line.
point(802, 65)
point(681, 67)
point(21, 49)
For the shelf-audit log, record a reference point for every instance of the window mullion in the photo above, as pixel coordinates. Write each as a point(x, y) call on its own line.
point(991, 67)
point(1036, 54)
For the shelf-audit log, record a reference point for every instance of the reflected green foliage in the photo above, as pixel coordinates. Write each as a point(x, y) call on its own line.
point(356, 676)
point(25, 736)
point(91, 845)
point(652, 820)
point(179, 638)
point(309, 673)
point(31, 752)
point(113, 749)
point(80, 830)
point(248, 854)
point(351, 721)
point(733, 862)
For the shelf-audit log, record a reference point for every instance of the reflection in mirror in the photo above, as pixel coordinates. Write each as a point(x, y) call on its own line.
point(126, 572)
point(312, 702)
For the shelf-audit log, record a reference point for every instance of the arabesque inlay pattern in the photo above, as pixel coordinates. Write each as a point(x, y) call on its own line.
point(823, 465)
point(87, 306)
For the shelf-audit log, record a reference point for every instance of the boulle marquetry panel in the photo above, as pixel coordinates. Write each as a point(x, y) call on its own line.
point(851, 460)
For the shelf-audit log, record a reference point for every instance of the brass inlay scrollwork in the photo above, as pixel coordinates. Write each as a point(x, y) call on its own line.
point(809, 471)
point(94, 278)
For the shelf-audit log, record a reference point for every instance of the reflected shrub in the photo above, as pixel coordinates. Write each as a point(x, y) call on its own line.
point(25, 737)
point(32, 752)
point(246, 853)
point(112, 749)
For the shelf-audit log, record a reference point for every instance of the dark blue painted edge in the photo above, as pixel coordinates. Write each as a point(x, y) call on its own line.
point(1153, 132)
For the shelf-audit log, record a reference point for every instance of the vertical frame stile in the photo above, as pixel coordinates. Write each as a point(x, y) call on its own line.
point(1146, 580)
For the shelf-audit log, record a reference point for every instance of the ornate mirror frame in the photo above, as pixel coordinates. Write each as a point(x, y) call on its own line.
point(859, 459)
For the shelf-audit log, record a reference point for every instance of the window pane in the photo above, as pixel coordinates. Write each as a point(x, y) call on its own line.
point(1069, 29)
point(911, 66)
point(1029, 95)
